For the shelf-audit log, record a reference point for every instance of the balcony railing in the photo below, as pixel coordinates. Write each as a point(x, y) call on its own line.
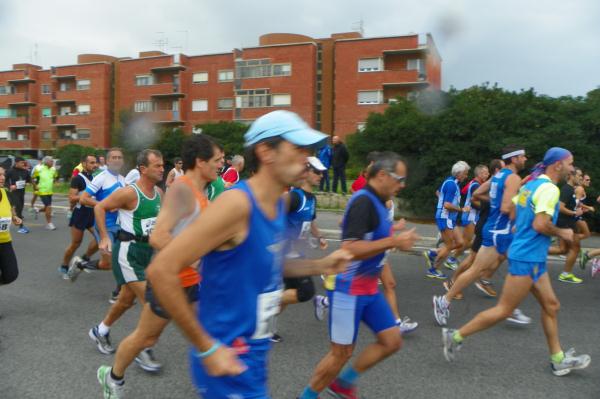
point(167, 90)
point(17, 99)
point(167, 117)
point(21, 122)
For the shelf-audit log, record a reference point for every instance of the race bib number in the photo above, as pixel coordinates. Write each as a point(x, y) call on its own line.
point(20, 184)
point(147, 225)
point(267, 309)
point(4, 224)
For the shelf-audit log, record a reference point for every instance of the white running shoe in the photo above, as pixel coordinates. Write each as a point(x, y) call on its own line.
point(519, 317)
point(50, 226)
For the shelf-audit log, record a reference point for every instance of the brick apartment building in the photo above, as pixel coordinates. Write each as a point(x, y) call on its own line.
point(333, 83)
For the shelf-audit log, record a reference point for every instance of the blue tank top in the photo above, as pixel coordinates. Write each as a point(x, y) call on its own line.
point(528, 245)
point(241, 287)
point(362, 276)
point(299, 222)
point(449, 191)
point(498, 222)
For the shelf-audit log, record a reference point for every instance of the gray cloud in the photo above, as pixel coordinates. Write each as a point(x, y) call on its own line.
point(551, 46)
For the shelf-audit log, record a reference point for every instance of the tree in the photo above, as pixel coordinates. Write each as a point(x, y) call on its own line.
point(70, 156)
point(170, 143)
point(229, 134)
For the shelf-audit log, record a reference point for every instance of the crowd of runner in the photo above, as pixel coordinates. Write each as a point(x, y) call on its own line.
point(222, 257)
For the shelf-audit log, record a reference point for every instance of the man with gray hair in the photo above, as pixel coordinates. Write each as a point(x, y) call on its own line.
point(448, 208)
point(232, 175)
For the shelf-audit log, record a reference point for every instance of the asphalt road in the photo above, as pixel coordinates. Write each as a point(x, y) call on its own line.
point(45, 351)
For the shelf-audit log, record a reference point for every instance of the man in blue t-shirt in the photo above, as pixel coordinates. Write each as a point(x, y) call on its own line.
point(448, 208)
point(536, 214)
point(324, 155)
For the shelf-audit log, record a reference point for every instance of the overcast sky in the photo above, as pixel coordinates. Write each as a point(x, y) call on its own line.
point(552, 46)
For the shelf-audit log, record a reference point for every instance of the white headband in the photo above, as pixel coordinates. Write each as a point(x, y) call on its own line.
point(513, 154)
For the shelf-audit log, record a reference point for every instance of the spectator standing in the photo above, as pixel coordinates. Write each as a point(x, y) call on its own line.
point(339, 160)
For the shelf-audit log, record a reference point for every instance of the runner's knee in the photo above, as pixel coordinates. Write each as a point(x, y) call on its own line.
point(305, 290)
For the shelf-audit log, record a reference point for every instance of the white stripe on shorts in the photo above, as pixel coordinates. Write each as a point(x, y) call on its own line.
point(126, 269)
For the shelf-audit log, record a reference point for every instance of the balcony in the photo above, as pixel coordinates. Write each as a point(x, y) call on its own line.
point(411, 84)
point(21, 122)
point(166, 90)
point(65, 120)
point(62, 77)
point(167, 117)
point(18, 99)
point(407, 51)
point(63, 96)
point(22, 80)
point(168, 68)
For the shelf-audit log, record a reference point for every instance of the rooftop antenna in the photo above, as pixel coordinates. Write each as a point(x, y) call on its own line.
point(162, 42)
point(359, 26)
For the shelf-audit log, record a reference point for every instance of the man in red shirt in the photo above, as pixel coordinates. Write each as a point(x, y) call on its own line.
point(232, 175)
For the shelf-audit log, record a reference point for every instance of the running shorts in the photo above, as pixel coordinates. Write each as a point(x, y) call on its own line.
point(130, 260)
point(531, 269)
point(191, 294)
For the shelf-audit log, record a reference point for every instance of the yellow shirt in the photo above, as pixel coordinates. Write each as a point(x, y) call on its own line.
point(5, 217)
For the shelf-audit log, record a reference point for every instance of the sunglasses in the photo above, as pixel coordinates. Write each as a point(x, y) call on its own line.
point(398, 178)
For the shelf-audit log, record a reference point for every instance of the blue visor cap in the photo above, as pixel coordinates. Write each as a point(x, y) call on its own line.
point(287, 125)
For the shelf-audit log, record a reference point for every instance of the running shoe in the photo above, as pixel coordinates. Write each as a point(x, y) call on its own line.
point(451, 263)
point(320, 307)
point(570, 362)
point(63, 272)
point(74, 268)
point(406, 325)
point(432, 272)
point(583, 258)
point(569, 278)
point(429, 257)
point(276, 338)
point(113, 297)
point(23, 230)
point(441, 310)
point(110, 388)
point(518, 317)
point(146, 360)
point(36, 213)
point(450, 346)
point(102, 341)
point(486, 287)
point(338, 392)
point(595, 269)
point(447, 285)
point(50, 226)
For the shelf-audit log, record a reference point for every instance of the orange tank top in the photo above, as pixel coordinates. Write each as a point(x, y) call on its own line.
point(190, 276)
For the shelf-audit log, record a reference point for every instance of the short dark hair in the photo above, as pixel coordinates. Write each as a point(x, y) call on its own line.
point(177, 160)
point(385, 161)
point(143, 158)
point(495, 165)
point(85, 157)
point(508, 149)
point(198, 146)
point(113, 149)
point(252, 162)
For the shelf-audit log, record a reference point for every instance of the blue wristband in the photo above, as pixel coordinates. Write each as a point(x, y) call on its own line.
point(209, 352)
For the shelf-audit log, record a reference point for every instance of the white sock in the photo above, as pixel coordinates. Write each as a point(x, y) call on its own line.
point(325, 301)
point(445, 301)
point(103, 329)
point(398, 321)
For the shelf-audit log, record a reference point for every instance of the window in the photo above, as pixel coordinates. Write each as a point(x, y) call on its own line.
point(261, 68)
point(64, 86)
point(144, 80)
point(83, 109)
point(369, 97)
point(82, 134)
point(225, 76)
point(46, 112)
point(7, 113)
point(225, 103)
point(45, 89)
point(361, 126)
point(257, 98)
point(4, 135)
point(83, 84)
point(46, 135)
point(64, 111)
point(370, 65)
point(143, 106)
point(199, 105)
point(4, 90)
point(415, 65)
point(200, 77)
point(282, 69)
point(281, 100)
point(412, 95)
point(22, 136)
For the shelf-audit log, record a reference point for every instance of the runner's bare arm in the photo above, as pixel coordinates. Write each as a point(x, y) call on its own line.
point(334, 263)
point(482, 192)
point(178, 203)
point(362, 249)
point(511, 188)
point(224, 221)
point(170, 178)
point(121, 199)
point(87, 200)
point(543, 225)
point(73, 197)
